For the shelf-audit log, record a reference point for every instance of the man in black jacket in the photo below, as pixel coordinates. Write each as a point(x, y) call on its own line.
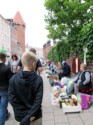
point(26, 92)
point(65, 72)
point(5, 74)
point(38, 68)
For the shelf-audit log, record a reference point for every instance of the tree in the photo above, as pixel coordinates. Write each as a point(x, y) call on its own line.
point(53, 55)
point(60, 52)
point(67, 19)
point(64, 15)
point(85, 39)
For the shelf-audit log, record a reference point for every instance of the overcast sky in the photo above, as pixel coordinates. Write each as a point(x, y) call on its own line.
point(32, 12)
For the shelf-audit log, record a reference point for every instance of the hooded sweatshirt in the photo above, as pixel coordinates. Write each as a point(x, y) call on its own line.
point(25, 95)
point(5, 74)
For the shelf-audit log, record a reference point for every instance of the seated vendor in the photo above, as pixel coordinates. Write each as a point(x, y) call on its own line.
point(53, 72)
point(65, 71)
point(82, 81)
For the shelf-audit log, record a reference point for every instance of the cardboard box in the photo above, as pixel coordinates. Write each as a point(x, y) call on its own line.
point(69, 109)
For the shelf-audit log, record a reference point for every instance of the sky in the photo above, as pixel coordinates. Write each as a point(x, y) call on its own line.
point(33, 12)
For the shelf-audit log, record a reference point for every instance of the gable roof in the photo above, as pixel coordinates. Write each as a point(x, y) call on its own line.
point(18, 19)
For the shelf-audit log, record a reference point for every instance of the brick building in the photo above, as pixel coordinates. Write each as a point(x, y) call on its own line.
point(46, 48)
point(19, 48)
point(20, 27)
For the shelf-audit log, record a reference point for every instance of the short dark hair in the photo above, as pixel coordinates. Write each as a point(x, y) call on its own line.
point(15, 56)
point(2, 56)
point(33, 50)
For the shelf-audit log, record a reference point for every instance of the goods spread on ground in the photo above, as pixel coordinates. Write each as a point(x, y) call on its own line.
point(60, 95)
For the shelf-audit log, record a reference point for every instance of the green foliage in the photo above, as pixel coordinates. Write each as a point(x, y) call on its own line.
point(60, 52)
point(63, 49)
point(86, 39)
point(3, 51)
point(67, 13)
point(70, 20)
point(53, 55)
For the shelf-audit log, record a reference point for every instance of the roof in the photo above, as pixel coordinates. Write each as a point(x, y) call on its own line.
point(18, 19)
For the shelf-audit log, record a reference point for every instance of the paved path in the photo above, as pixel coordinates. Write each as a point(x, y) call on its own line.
point(53, 115)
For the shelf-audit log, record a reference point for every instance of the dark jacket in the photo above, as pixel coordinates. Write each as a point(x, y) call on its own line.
point(5, 74)
point(38, 64)
point(66, 70)
point(83, 80)
point(25, 95)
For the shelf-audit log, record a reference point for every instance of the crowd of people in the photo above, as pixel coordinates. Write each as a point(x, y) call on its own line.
point(22, 86)
point(62, 69)
point(81, 82)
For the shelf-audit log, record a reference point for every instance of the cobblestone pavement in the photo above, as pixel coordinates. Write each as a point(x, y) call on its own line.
point(53, 115)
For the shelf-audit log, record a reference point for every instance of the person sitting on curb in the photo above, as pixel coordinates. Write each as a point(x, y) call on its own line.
point(65, 71)
point(82, 81)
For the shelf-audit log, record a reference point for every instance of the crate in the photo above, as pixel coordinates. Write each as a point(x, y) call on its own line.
point(71, 109)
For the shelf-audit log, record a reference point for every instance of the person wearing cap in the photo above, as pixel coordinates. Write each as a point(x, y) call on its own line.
point(65, 71)
point(5, 74)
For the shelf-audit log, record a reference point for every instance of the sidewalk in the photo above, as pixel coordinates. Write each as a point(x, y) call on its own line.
point(53, 115)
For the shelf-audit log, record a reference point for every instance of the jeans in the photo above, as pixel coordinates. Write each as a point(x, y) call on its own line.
point(74, 88)
point(7, 114)
point(3, 107)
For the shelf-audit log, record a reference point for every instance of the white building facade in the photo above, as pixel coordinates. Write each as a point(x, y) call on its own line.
point(5, 37)
point(13, 33)
point(39, 52)
point(19, 47)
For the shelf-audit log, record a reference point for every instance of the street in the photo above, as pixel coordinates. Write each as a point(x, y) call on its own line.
point(53, 115)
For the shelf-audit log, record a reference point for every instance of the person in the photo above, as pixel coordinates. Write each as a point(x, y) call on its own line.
point(8, 64)
point(13, 64)
point(59, 65)
point(26, 92)
point(65, 70)
point(82, 80)
point(39, 67)
point(5, 74)
point(53, 73)
point(8, 60)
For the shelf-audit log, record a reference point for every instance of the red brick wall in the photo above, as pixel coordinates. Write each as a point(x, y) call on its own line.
point(69, 62)
point(14, 49)
point(46, 50)
point(44, 53)
point(89, 66)
point(21, 36)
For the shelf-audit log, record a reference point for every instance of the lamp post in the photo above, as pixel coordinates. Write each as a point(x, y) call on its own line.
point(85, 52)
